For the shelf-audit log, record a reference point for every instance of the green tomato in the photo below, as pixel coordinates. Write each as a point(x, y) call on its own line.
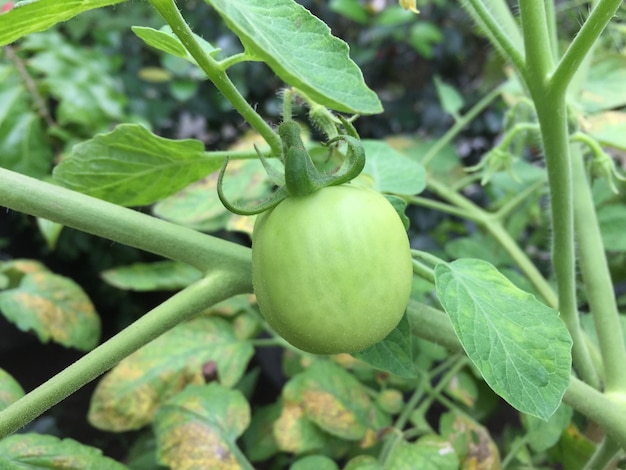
point(332, 270)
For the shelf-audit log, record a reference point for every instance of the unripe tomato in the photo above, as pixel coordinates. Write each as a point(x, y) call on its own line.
point(332, 270)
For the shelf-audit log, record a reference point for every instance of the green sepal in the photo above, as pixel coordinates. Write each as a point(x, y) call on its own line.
point(269, 203)
point(301, 175)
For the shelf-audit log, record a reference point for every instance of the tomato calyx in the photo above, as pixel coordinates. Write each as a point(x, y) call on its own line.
point(301, 177)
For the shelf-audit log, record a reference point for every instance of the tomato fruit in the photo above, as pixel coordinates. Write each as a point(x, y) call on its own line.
point(332, 270)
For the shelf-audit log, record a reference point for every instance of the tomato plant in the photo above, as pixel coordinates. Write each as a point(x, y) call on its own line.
point(332, 270)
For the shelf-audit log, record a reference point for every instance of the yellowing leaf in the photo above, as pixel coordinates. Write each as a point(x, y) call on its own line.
point(336, 401)
point(53, 306)
point(129, 395)
point(197, 428)
point(295, 433)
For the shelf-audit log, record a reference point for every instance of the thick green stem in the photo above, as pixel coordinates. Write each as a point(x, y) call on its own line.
point(216, 73)
point(607, 411)
point(433, 325)
point(551, 111)
point(214, 288)
point(91, 215)
point(597, 279)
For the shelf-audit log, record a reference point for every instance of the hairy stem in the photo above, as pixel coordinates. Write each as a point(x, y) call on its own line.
point(597, 279)
point(214, 288)
point(601, 14)
point(551, 111)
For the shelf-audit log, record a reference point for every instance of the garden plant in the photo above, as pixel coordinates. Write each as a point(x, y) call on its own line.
point(393, 357)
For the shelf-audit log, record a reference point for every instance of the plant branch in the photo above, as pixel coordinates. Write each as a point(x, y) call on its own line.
point(497, 21)
point(495, 228)
point(216, 73)
point(31, 86)
point(597, 279)
point(91, 215)
point(606, 410)
point(583, 42)
point(458, 126)
point(214, 288)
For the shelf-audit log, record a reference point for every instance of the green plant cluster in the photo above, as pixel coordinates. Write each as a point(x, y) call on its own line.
point(518, 259)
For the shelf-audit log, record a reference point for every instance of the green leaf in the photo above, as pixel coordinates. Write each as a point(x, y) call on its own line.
point(451, 100)
point(604, 88)
point(352, 9)
point(612, 221)
point(53, 306)
point(399, 205)
point(10, 389)
point(301, 50)
point(393, 171)
point(38, 451)
point(314, 462)
point(520, 346)
point(80, 79)
point(161, 275)
point(335, 400)
point(129, 395)
point(131, 166)
point(198, 427)
point(429, 452)
point(50, 231)
point(542, 435)
point(259, 441)
point(24, 147)
point(165, 40)
point(609, 128)
point(478, 246)
point(393, 354)
point(39, 15)
point(423, 36)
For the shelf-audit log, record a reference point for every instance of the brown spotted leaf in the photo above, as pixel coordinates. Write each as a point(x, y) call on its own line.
point(129, 395)
point(10, 389)
point(472, 442)
point(38, 451)
point(198, 427)
point(53, 306)
point(336, 401)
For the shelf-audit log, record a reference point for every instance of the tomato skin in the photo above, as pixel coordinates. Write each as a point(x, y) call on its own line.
point(332, 270)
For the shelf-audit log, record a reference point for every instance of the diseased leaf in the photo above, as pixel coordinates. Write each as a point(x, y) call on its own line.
point(301, 50)
point(39, 15)
point(392, 171)
point(336, 401)
point(10, 389)
point(520, 345)
point(472, 442)
point(295, 433)
point(53, 306)
point(393, 354)
point(129, 395)
point(38, 451)
point(131, 166)
point(161, 275)
point(198, 427)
